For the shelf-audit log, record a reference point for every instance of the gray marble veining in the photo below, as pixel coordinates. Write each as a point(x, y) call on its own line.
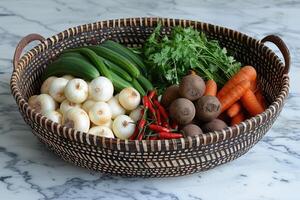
point(271, 170)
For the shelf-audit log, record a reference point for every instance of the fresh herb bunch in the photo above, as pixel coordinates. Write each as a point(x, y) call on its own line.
point(170, 58)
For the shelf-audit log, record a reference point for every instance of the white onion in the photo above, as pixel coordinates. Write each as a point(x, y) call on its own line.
point(123, 127)
point(108, 124)
point(115, 107)
point(42, 103)
point(100, 113)
point(101, 89)
point(77, 118)
point(117, 96)
point(56, 89)
point(46, 84)
point(129, 98)
point(68, 77)
point(136, 114)
point(54, 116)
point(101, 131)
point(66, 105)
point(87, 105)
point(76, 90)
point(59, 110)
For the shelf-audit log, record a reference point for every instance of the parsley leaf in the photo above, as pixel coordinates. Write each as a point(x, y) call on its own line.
point(171, 57)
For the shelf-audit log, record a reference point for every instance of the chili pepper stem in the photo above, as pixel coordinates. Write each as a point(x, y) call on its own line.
point(152, 94)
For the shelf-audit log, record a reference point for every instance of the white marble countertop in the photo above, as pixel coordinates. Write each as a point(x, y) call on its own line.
point(270, 170)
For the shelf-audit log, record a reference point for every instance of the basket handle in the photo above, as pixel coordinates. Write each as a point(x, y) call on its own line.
point(23, 43)
point(283, 49)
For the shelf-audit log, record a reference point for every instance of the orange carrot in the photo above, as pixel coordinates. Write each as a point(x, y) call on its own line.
point(211, 88)
point(253, 86)
point(234, 109)
point(238, 118)
point(245, 73)
point(234, 95)
point(260, 98)
point(251, 103)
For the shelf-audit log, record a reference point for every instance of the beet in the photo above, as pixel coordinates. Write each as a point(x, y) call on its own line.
point(191, 130)
point(208, 108)
point(192, 87)
point(170, 94)
point(182, 110)
point(214, 125)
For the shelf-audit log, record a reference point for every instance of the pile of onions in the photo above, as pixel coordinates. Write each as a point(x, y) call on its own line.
point(89, 107)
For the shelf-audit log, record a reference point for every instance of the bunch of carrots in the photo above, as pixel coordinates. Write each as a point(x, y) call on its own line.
point(240, 97)
point(155, 122)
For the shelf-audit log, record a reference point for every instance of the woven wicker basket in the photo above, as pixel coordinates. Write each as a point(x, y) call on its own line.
point(159, 158)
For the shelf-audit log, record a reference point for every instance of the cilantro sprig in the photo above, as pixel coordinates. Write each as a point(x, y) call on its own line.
point(171, 57)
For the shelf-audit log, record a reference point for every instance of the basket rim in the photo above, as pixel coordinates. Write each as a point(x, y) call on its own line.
point(145, 145)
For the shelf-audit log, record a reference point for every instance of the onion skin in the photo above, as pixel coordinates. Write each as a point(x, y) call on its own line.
point(56, 89)
point(101, 131)
point(66, 105)
point(68, 77)
point(53, 115)
point(129, 98)
point(123, 127)
point(86, 106)
point(100, 113)
point(101, 89)
point(136, 114)
point(46, 84)
point(115, 107)
point(78, 119)
point(108, 124)
point(76, 90)
point(42, 103)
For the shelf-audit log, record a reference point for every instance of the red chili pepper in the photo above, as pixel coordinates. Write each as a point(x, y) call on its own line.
point(152, 94)
point(150, 106)
point(138, 128)
point(158, 118)
point(141, 135)
point(142, 111)
point(152, 110)
point(141, 128)
point(136, 132)
point(140, 125)
point(153, 114)
point(165, 124)
point(146, 102)
point(162, 110)
point(166, 135)
point(174, 125)
point(153, 138)
point(158, 128)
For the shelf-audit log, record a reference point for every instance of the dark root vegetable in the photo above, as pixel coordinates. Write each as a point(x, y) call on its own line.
point(170, 94)
point(214, 125)
point(182, 110)
point(191, 130)
point(208, 108)
point(192, 87)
